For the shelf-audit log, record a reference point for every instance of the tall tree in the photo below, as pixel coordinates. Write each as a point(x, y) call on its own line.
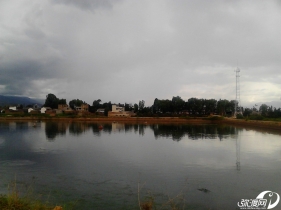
point(177, 103)
point(264, 109)
point(136, 108)
point(75, 102)
point(51, 101)
point(96, 105)
point(62, 101)
point(141, 105)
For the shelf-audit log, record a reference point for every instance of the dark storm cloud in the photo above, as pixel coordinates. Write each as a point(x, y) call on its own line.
point(88, 4)
point(125, 51)
point(19, 75)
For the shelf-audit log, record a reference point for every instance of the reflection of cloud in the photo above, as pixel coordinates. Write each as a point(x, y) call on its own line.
point(265, 144)
point(15, 163)
point(1, 140)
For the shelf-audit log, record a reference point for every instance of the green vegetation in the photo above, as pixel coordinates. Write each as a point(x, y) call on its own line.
point(215, 117)
point(176, 107)
point(53, 102)
point(12, 201)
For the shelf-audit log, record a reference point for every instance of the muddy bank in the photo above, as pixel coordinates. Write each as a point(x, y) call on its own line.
point(150, 120)
point(113, 119)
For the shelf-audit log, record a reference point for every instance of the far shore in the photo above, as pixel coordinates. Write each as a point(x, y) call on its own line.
point(152, 120)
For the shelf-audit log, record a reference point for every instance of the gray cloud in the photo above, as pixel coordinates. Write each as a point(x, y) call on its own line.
point(126, 51)
point(88, 4)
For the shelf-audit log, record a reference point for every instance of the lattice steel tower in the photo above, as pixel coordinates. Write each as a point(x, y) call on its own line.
point(237, 100)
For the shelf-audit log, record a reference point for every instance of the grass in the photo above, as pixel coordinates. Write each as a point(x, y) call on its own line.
point(149, 201)
point(214, 118)
point(13, 201)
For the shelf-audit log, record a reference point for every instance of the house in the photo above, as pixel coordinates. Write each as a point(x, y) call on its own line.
point(34, 111)
point(62, 106)
point(43, 110)
point(118, 111)
point(82, 108)
point(100, 111)
point(118, 108)
point(14, 108)
point(29, 110)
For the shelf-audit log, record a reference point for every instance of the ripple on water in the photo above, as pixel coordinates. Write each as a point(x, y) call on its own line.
point(13, 163)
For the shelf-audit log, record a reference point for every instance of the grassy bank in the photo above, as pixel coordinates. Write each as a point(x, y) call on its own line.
point(12, 201)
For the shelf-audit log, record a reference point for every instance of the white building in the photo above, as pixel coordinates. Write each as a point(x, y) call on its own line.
point(44, 109)
point(14, 108)
point(118, 108)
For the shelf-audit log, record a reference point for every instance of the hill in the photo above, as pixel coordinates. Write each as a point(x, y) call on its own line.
point(15, 100)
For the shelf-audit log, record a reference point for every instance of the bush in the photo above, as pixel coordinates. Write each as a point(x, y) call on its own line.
point(239, 116)
point(256, 117)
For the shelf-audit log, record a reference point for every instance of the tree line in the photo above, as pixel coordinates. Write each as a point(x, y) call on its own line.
point(175, 106)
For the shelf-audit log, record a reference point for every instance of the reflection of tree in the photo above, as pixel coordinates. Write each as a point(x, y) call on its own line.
point(107, 128)
point(95, 129)
point(136, 128)
point(141, 129)
point(52, 129)
point(128, 128)
point(174, 131)
point(77, 128)
point(194, 132)
point(21, 125)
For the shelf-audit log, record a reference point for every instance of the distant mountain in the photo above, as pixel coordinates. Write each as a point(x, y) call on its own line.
point(15, 100)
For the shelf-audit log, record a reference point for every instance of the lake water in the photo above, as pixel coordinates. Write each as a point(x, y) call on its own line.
point(75, 163)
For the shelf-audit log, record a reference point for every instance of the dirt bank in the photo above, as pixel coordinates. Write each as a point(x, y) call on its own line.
point(113, 119)
point(150, 120)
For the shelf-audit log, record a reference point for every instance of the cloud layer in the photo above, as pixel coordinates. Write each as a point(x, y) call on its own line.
point(125, 51)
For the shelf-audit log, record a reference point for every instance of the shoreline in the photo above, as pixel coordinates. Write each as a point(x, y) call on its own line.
point(151, 120)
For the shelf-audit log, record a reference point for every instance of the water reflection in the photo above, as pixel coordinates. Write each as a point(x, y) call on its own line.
point(175, 132)
point(52, 129)
point(83, 160)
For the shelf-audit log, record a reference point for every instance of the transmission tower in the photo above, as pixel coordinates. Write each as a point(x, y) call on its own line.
point(237, 99)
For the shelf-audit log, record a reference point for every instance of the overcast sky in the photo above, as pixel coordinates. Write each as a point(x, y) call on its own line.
point(131, 50)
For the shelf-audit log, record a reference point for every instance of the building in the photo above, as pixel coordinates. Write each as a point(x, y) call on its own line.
point(62, 106)
point(118, 111)
point(14, 108)
point(100, 111)
point(116, 108)
point(43, 110)
point(82, 108)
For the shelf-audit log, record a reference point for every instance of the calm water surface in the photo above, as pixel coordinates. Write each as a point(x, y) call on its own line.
point(76, 163)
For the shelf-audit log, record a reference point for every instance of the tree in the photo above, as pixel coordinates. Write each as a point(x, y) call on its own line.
point(136, 108)
point(264, 109)
point(177, 104)
point(141, 105)
point(62, 101)
point(96, 105)
point(247, 112)
point(155, 106)
point(51, 101)
point(75, 102)
point(210, 106)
